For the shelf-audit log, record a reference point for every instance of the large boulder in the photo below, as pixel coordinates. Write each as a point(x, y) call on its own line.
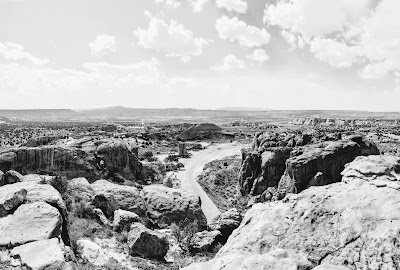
point(40, 255)
point(226, 222)
point(206, 240)
point(91, 252)
point(11, 177)
point(329, 159)
point(167, 205)
point(147, 243)
point(10, 198)
point(128, 198)
point(123, 219)
point(353, 224)
point(31, 222)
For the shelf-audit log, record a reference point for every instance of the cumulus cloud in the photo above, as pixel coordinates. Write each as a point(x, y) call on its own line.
point(233, 5)
point(11, 52)
point(231, 62)
point(259, 55)
point(169, 3)
point(172, 38)
point(103, 45)
point(335, 53)
point(198, 5)
point(247, 35)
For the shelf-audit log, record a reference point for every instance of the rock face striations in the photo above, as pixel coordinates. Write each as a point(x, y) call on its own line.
point(353, 224)
point(79, 158)
point(291, 164)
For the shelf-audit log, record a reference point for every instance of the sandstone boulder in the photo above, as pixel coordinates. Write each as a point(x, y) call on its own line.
point(11, 177)
point(31, 222)
point(92, 252)
point(40, 255)
point(226, 222)
point(128, 198)
point(37, 179)
point(167, 205)
point(123, 219)
point(10, 198)
point(206, 240)
point(352, 224)
point(200, 131)
point(147, 243)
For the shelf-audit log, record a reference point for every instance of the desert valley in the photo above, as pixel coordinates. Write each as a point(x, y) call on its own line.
point(121, 188)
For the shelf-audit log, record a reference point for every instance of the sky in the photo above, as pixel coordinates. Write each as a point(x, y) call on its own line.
point(206, 54)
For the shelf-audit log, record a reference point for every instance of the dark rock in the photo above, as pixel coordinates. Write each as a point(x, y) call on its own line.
point(147, 243)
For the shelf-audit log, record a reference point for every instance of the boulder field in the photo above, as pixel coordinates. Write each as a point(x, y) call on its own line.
point(353, 224)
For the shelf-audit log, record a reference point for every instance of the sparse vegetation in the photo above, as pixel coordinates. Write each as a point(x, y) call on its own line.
point(184, 233)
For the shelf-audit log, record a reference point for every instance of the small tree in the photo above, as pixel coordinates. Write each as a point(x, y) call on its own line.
point(184, 233)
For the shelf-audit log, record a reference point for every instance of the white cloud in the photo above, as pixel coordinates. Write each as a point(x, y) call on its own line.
point(231, 62)
point(312, 18)
point(103, 45)
point(259, 55)
point(11, 52)
point(198, 5)
point(246, 35)
point(239, 6)
point(172, 39)
point(335, 53)
point(169, 3)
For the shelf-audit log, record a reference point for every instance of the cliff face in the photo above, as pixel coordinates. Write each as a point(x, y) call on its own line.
point(93, 162)
point(348, 225)
point(329, 160)
point(260, 171)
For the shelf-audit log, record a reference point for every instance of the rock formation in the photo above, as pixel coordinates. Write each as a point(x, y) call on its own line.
point(200, 131)
point(85, 158)
point(353, 225)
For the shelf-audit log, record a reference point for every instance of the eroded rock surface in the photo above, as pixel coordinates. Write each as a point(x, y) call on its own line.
point(167, 205)
point(31, 222)
point(351, 225)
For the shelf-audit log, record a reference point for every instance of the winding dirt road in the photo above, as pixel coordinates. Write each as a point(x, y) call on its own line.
point(194, 166)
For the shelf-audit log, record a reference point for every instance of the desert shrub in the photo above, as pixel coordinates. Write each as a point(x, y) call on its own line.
point(171, 158)
point(168, 182)
point(60, 183)
point(148, 155)
point(154, 172)
point(184, 233)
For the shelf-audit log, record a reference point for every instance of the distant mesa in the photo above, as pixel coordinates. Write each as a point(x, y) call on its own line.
point(200, 131)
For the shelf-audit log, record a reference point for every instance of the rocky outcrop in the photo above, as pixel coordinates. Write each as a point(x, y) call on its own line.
point(167, 205)
point(200, 131)
point(350, 225)
point(278, 259)
point(10, 198)
point(329, 159)
point(11, 177)
point(123, 219)
point(81, 158)
point(226, 223)
point(40, 255)
point(126, 197)
point(205, 241)
point(147, 243)
point(31, 222)
point(262, 170)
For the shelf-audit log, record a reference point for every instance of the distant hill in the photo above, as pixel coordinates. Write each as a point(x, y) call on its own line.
point(248, 109)
point(40, 114)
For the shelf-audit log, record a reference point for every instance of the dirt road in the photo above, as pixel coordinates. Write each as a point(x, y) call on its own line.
point(194, 166)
